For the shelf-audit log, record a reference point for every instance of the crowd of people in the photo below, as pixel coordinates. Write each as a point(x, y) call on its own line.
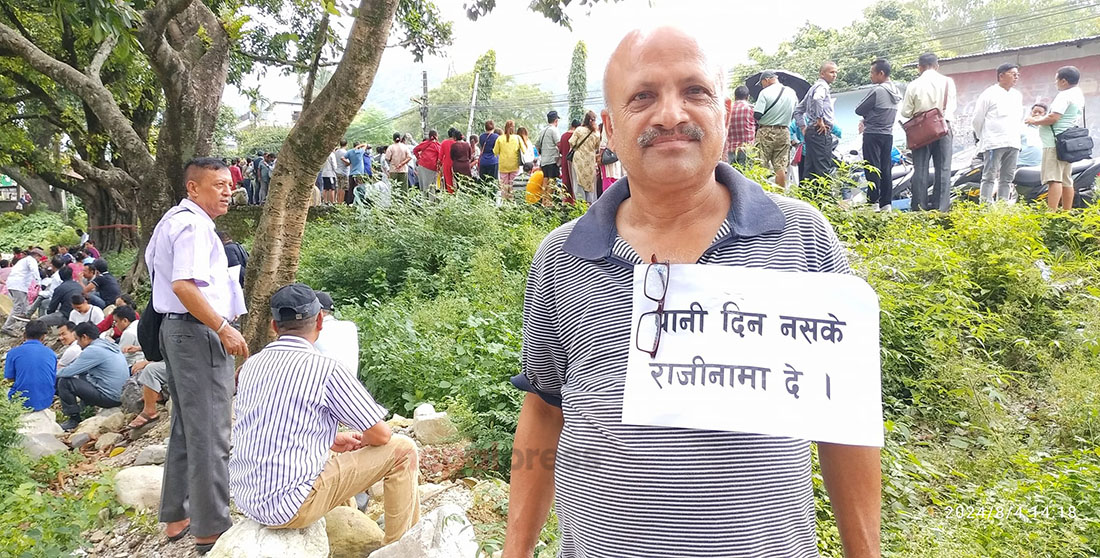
point(73, 290)
point(797, 138)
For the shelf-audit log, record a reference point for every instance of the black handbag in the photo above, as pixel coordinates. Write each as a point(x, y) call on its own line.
point(1073, 145)
point(148, 332)
point(608, 157)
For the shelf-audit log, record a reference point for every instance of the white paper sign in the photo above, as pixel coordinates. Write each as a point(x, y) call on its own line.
point(760, 351)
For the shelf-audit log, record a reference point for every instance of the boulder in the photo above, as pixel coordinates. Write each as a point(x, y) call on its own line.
point(423, 410)
point(98, 424)
point(78, 439)
point(443, 533)
point(40, 445)
point(152, 455)
point(108, 440)
point(434, 428)
point(40, 422)
point(427, 490)
point(139, 487)
point(351, 534)
point(249, 539)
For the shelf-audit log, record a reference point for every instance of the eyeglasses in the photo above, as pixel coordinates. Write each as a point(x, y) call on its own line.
point(649, 325)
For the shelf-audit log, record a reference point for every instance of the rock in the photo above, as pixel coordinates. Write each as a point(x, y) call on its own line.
point(40, 422)
point(377, 490)
point(151, 455)
point(99, 424)
point(434, 428)
point(78, 439)
point(427, 490)
point(361, 501)
point(40, 445)
point(249, 539)
point(103, 412)
point(108, 440)
point(351, 533)
point(139, 487)
point(423, 410)
point(444, 533)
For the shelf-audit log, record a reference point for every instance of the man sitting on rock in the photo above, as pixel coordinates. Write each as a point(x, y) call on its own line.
point(94, 378)
point(290, 399)
point(32, 366)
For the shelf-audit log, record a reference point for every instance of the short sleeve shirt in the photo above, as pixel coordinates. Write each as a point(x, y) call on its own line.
point(1068, 103)
point(626, 490)
point(185, 246)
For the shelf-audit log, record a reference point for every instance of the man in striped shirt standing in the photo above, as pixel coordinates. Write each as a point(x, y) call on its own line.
point(290, 400)
point(626, 490)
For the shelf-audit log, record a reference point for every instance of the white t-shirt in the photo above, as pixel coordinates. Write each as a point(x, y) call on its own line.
point(93, 315)
point(129, 337)
point(339, 339)
point(69, 355)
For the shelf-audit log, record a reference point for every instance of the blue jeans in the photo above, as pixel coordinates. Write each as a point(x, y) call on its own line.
point(939, 152)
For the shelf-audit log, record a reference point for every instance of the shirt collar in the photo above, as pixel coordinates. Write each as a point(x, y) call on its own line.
point(752, 213)
point(195, 208)
point(295, 340)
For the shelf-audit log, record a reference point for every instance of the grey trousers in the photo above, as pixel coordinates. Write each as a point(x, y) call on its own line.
point(999, 169)
point(19, 307)
point(196, 469)
point(939, 152)
point(426, 178)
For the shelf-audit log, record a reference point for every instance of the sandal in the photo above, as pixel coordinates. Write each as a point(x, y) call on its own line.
point(183, 533)
point(144, 418)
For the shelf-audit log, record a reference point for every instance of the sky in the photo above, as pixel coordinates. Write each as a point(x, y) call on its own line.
point(535, 50)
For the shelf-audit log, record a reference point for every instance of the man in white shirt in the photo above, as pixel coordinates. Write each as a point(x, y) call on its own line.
point(998, 123)
point(45, 288)
point(66, 332)
point(23, 274)
point(338, 339)
point(931, 90)
point(83, 311)
point(1062, 115)
point(126, 320)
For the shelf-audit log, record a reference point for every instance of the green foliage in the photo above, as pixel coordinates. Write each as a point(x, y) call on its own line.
point(268, 139)
point(578, 81)
point(13, 463)
point(41, 228)
point(437, 292)
point(371, 126)
point(225, 131)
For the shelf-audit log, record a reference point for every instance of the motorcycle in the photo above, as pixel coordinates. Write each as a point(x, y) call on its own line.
point(1028, 184)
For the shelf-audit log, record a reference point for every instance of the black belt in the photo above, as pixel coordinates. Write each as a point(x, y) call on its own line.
point(773, 126)
point(184, 317)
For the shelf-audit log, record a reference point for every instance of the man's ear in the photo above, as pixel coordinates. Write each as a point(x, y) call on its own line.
point(608, 129)
point(320, 320)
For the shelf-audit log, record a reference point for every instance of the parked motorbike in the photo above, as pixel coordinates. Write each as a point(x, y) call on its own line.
point(1028, 184)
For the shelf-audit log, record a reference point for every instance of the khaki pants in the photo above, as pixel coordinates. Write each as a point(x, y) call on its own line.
point(348, 474)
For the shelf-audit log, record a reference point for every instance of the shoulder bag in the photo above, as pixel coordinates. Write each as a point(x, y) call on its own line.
point(1074, 144)
point(926, 127)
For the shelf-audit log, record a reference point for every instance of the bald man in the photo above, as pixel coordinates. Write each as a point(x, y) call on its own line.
point(816, 117)
point(628, 490)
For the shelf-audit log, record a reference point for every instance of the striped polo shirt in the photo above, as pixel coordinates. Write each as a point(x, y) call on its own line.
point(290, 399)
point(627, 490)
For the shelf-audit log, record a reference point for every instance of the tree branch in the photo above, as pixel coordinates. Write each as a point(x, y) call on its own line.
point(281, 62)
point(10, 14)
point(94, 94)
point(165, 60)
point(16, 99)
point(100, 57)
point(46, 117)
point(113, 178)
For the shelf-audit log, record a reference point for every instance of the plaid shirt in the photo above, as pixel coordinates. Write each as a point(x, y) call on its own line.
point(742, 129)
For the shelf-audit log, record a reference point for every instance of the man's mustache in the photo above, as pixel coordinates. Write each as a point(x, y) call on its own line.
point(648, 136)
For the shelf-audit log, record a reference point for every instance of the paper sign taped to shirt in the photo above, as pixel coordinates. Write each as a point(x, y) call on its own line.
point(753, 350)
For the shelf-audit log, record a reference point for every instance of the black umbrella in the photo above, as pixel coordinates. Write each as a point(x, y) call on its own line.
point(790, 79)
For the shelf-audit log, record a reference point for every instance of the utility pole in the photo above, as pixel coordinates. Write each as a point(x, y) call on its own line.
point(424, 106)
point(473, 103)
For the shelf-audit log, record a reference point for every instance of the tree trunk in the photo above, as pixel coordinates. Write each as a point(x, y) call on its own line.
point(275, 254)
point(104, 213)
point(39, 188)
